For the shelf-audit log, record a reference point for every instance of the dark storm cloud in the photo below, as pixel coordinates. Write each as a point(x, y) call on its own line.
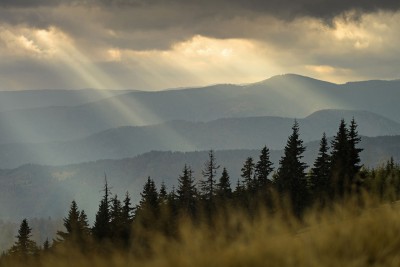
point(285, 9)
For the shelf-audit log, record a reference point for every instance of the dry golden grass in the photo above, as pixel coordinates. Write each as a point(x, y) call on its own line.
point(344, 236)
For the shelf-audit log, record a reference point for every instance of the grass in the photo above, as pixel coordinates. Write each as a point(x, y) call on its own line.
point(346, 235)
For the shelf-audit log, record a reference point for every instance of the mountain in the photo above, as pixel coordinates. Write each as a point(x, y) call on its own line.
point(14, 100)
point(42, 191)
point(283, 96)
point(221, 134)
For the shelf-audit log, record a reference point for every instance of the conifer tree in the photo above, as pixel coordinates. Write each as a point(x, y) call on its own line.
point(46, 245)
point(149, 206)
point(76, 226)
point(263, 169)
point(248, 174)
point(116, 220)
point(163, 193)
point(126, 219)
point(354, 151)
point(186, 193)
point(24, 246)
point(224, 190)
point(208, 185)
point(320, 173)
point(291, 178)
point(340, 175)
point(102, 228)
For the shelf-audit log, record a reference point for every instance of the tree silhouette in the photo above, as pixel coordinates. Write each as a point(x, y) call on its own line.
point(24, 246)
point(291, 178)
point(248, 174)
point(102, 228)
point(224, 190)
point(320, 173)
point(186, 193)
point(76, 226)
point(263, 169)
point(209, 174)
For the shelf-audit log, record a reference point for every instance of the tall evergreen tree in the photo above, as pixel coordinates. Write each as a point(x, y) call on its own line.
point(163, 193)
point(24, 246)
point(208, 185)
point(76, 226)
point(291, 178)
point(263, 169)
point(354, 151)
point(149, 206)
point(186, 193)
point(248, 174)
point(116, 220)
point(224, 190)
point(340, 175)
point(126, 219)
point(102, 228)
point(320, 173)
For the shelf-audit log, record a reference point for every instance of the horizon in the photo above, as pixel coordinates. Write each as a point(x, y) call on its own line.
point(189, 87)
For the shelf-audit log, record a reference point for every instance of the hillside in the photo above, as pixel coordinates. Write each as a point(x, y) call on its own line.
point(42, 191)
point(221, 134)
point(283, 96)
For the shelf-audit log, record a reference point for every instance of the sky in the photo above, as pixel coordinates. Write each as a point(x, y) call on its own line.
point(160, 44)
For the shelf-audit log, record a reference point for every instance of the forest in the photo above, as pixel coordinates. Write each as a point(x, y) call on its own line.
point(334, 212)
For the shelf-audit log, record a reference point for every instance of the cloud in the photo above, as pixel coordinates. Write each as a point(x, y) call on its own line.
point(126, 43)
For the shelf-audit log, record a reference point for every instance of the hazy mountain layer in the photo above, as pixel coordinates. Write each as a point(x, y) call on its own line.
point(283, 96)
point(222, 134)
point(41, 191)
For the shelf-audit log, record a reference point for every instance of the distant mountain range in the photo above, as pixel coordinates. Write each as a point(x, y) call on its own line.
point(42, 191)
point(283, 96)
point(102, 127)
point(221, 134)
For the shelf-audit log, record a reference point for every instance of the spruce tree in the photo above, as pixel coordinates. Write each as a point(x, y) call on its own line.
point(340, 175)
point(208, 185)
point(291, 178)
point(320, 173)
point(126, 219)
point(76, 226)
point(248, 174)
point(224, 190)
point(163, 193)
point(102, 228)
point(186, 193)
point(263, 169)
point(24, 246)
point(354, 151)
point(149, 206)
point(116, 220)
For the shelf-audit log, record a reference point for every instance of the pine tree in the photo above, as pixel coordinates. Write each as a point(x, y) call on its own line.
point(341, 183)
point(354, 151)
point(163, 193)
point(24, 246)
point(46, 245)
point(126, 220)
point(224, 190)
point(116, 220)
point(76, 225)
point(320, 173)
point(248, 174)
point(208, 185)
point(186, 193)
point(291, 178)
point(263, 169)
point(102, 228)
point(149, 206)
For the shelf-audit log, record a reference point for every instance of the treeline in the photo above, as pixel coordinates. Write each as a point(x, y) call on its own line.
point(336, 174)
